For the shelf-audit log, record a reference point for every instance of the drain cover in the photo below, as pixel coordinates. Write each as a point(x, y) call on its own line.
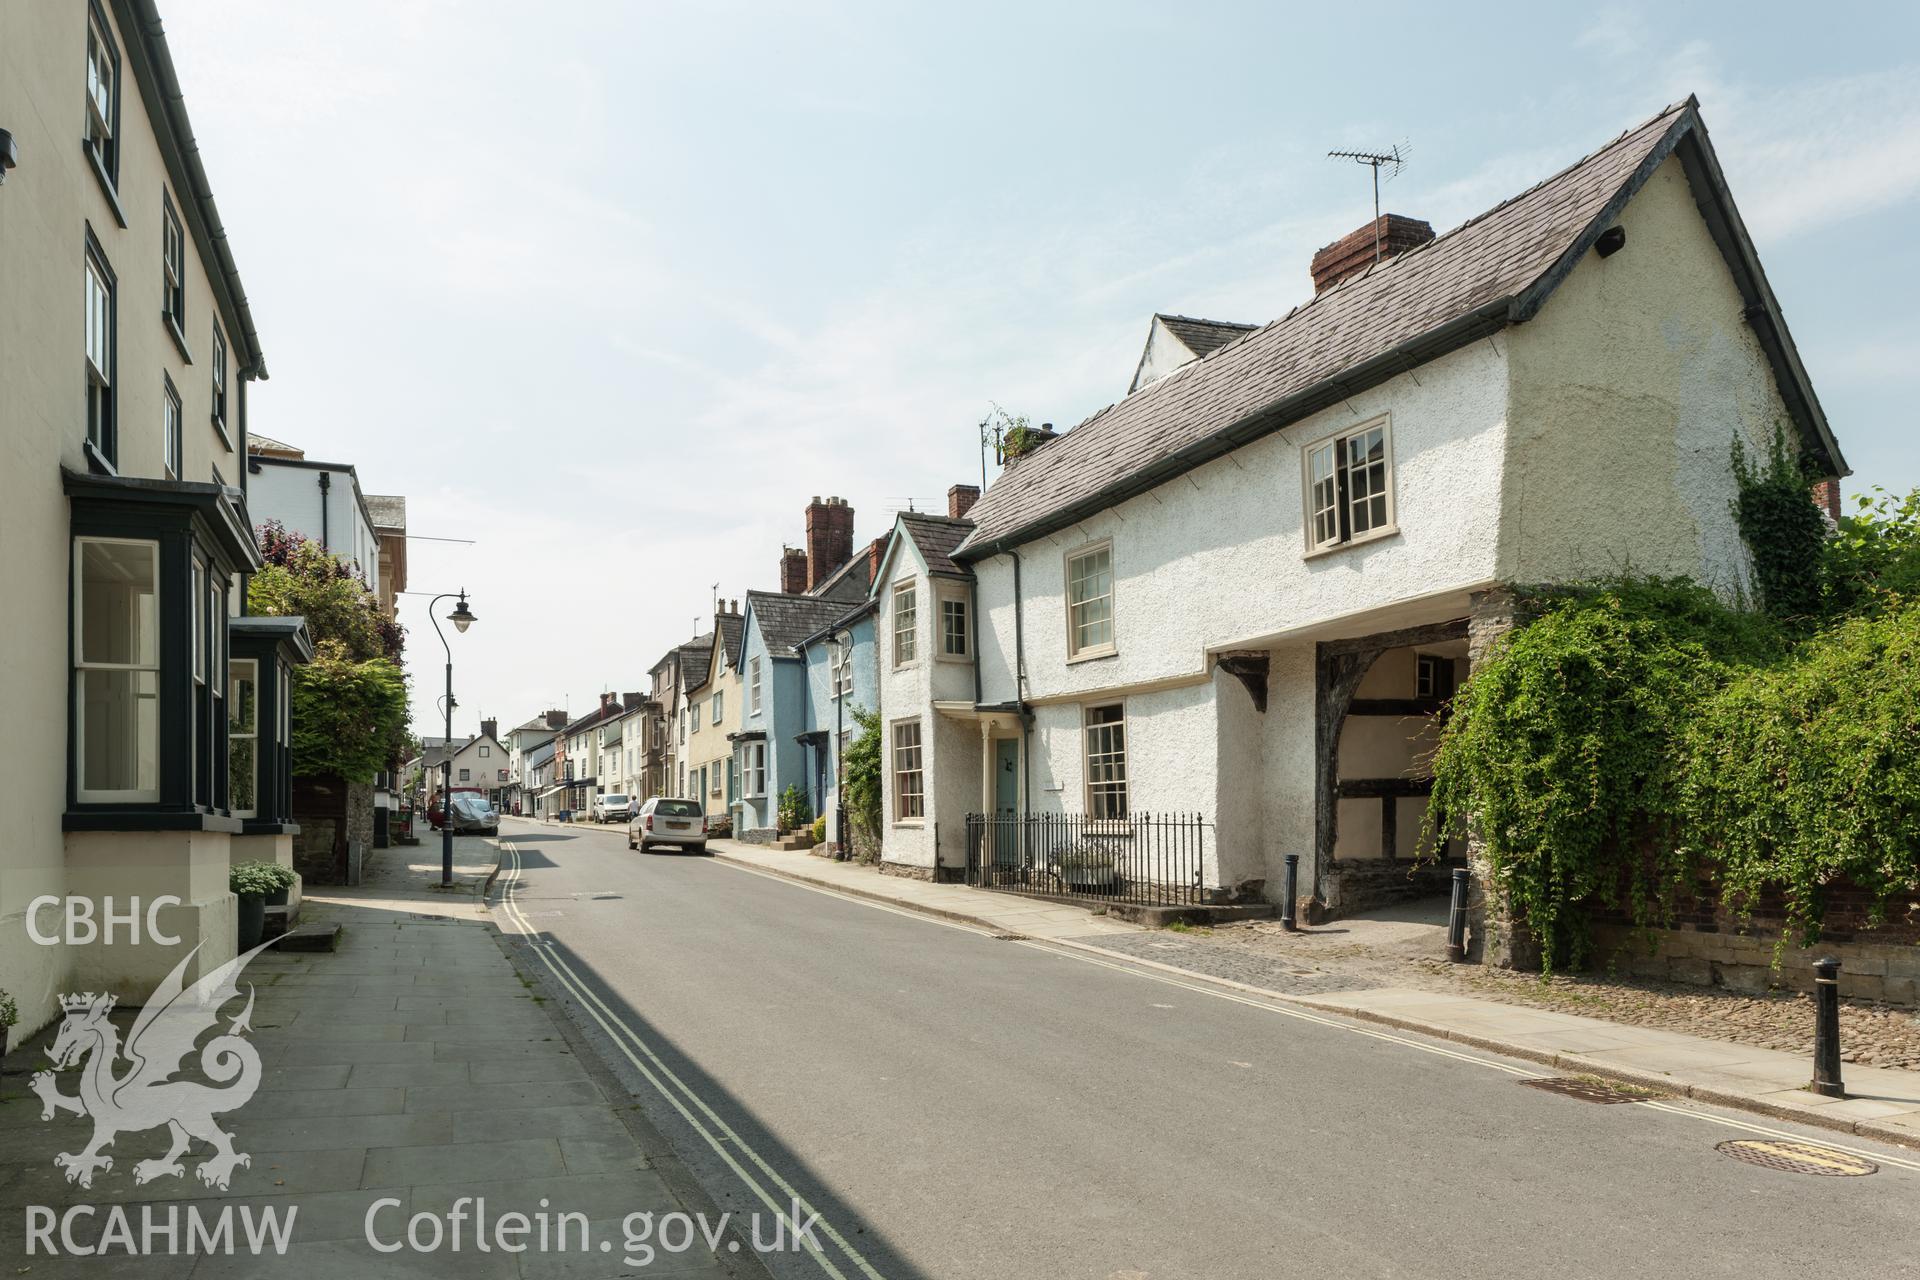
point(1585, 1090)
point(1009, 937)
point(1798, 1157)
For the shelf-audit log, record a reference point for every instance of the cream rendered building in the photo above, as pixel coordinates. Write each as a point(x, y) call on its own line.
point(710, 712)
point(126, 346)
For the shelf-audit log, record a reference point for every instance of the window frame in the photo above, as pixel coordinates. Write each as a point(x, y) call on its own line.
point(1334, 446)
point(901, 794)
point(173, 273)
point(955, 600)
point(753, 770)
point(103, 150)
point(753, 685)
point(908, 587)
point(219, 380)
point(717, 707)
point(1111, 753)
point(78, 665)
point(1077, 652)
point(173, 429)
point(236, 735)
point(103, 393)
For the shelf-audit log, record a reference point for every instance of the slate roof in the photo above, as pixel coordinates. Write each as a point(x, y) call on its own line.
point(542, 753)
point(785, 621)
point(733, 631)
point(1204, 337)
point(387, 510)
point(848, 583)
point(936, 537)
point(1494, 270)
point(257, 443)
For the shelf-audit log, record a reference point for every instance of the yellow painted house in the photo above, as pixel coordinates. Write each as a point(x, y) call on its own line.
point(710, 711)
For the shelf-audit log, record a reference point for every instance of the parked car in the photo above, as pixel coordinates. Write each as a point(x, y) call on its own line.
point(612, 807)
point(681, 823)
point(473, 816)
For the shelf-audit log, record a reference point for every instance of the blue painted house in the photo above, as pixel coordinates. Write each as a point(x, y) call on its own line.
point(841, 678)
point(773, 708)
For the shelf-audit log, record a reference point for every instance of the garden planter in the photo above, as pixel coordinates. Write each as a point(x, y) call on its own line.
point(278, 898)
point(253, 919)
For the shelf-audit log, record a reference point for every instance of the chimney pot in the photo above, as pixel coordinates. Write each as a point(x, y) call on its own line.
point(1354, 252)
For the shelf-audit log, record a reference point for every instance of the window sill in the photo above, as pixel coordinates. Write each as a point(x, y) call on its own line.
point(960, 658)
point(179, 338)
point(264, 827)
point(139, 819)
point(1375, 535)
point(97, 461)
point(1094, 655)
point(220, 425)
point(910, 824)
point(106, 184)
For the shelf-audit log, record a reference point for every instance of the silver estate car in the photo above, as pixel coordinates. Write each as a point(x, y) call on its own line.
point(681, 823)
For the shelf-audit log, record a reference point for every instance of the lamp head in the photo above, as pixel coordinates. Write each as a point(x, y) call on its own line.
point(461, 617)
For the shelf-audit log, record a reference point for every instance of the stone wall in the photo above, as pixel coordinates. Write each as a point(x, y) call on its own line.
point(336, 823)
point(1710, 945)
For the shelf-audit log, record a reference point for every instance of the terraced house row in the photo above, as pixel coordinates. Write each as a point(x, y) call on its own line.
point(1217, 623)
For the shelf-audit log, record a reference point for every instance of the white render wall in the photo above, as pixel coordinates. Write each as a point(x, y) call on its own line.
point(291, 495)
point(1628, 390)
point(1217, 558)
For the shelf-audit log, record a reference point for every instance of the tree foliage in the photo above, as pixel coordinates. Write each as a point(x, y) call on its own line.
point(1636, 736)
point(861, 782)
point(350, 702)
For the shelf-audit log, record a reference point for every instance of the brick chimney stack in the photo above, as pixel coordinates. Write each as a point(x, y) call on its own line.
point(1826, 496)
point(874, 552)
point(829, 538)
point(490, 729)
point(606, 700)
point(960, 500)
point(557, 719)
point(793, 571)
point(1353, 253)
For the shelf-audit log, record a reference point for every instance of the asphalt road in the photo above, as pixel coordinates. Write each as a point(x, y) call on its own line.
point(954, 1105)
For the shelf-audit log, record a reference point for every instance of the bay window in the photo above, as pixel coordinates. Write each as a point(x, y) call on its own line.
point(243, 727)
point(906, 622)
point(953, 627)
point(116, 670)
point(755, 755)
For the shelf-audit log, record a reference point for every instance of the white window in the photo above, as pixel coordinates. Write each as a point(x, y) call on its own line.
point(103, 96)
point(693, 714)
point(1349, 483)
point(116, 684)
point(484, 752)
point(100, 353)
point(906, 618)
point(909, 779)
point(755, 754)
point(173, 267)
point(1106, 734)
point(953, 628)
point(839, 668)
point(719, 708)
point(170, 434)
point(1090, 601)
point(466, 775)
point(753, 686)
point(220, 383)
point(243, 731)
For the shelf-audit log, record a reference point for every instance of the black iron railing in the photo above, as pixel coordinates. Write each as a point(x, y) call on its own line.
point(1151, 859)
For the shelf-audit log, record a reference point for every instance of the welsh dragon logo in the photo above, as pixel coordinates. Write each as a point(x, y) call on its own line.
point(145, 1096)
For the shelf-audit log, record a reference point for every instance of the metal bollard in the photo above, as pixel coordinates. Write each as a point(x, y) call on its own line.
point(1826, 1029)
point(1291, 890)
point(1457, 917)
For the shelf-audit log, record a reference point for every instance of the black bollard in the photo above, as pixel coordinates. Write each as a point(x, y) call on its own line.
point(1457, 917)
point(1826, 1029)
point(1291, 891)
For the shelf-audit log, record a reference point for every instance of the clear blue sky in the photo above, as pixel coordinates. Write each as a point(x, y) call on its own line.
point(612, 289)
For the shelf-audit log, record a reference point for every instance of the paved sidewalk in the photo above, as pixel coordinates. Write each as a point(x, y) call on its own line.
point(416, 1065)
point(1882, 1104)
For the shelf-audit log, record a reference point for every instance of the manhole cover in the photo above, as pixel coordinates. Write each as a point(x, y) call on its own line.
point(1585, 1090)
point(1798, 1157)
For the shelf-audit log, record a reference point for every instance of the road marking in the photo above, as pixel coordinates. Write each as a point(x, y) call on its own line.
point(596, 1008)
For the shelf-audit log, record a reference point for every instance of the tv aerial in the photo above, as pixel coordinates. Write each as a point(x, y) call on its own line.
point(1392, 159)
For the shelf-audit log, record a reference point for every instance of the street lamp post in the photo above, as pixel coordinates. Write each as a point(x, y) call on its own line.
point(843, 641)
point(461, 618)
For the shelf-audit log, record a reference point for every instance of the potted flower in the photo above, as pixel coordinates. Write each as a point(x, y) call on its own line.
point(9, 1014)
point(252, 882)
point(284, 878)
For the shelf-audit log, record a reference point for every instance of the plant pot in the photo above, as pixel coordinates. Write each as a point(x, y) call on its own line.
point(278, 898)
point(253, 919)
